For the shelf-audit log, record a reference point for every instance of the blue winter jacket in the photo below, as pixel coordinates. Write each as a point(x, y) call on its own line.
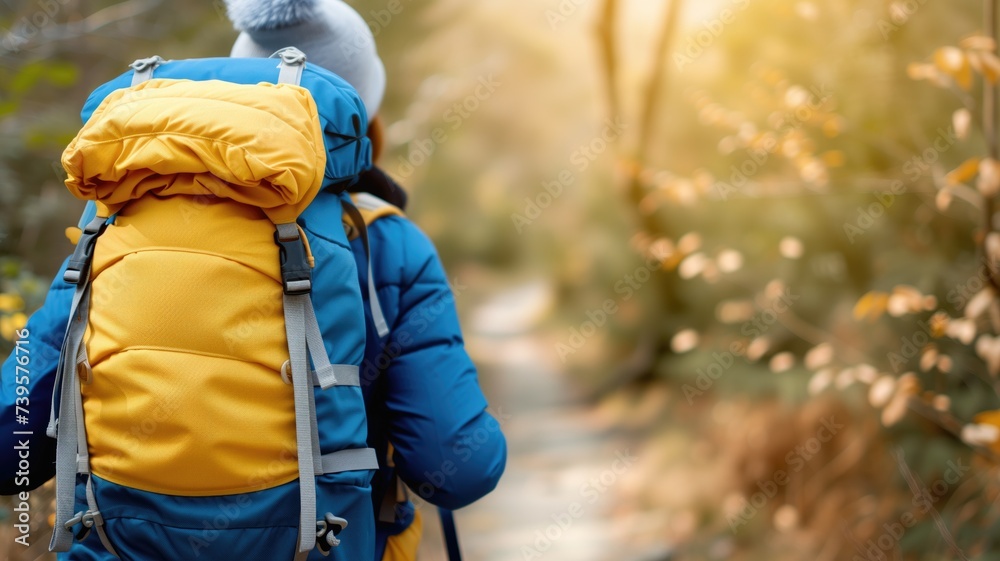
point(420, 387)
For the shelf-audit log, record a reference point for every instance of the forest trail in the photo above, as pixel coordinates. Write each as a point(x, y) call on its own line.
point(561, 495)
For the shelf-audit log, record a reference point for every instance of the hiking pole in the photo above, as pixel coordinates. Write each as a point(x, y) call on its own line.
point(450, 534)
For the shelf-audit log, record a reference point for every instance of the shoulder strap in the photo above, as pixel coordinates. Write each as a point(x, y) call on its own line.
point(357, 226)
point(371, 209)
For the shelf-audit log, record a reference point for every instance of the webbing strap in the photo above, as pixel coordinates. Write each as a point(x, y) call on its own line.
point(293, 62)
point(381, 326)
point(337, 375)
point(450, 534)
point(350, 460)
point(82, 452)
point(97, 519)
point(67, 426)
point(325, 373)
point(368, 201)
point(305, 435)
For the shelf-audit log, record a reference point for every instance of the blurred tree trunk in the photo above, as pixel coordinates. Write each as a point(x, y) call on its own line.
point(992, 145)
point(655, 343)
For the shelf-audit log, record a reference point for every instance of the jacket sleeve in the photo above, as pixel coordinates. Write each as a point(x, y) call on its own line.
point(27, 455)
point(449, 449)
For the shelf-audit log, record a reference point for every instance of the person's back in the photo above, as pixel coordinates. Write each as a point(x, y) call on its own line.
point(421, 388)
point(427, 416)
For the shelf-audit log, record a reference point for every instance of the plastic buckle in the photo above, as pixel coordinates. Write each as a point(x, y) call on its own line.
point(143, 64)
point(84, 252)
point(296, 274)
point(79, 518)
point(326, 534)
point(291, 56)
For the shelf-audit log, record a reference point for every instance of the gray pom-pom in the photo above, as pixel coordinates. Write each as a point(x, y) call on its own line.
point(256, 15)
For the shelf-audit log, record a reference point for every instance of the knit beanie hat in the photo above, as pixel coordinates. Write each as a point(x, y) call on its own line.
point(329, 32)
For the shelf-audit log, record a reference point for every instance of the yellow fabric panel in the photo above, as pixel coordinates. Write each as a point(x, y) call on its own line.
point(179, 424)
point(260, 145)
point(73, 234)
point(186, 341)
point(403, 546)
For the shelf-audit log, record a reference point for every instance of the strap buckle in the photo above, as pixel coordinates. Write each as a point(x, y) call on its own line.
point(87, 520)
point(143, 64)
point(84, 252)
point(293, 63)
point(296, 273)
point(327, 531)
point(291, 56)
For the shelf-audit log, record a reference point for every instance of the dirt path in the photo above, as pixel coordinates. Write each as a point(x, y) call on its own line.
point(561, 496)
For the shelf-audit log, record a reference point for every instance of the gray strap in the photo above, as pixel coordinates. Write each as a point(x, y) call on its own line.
point(337, 375)
point(293, 62)
point(368, 201)
point(326, 375)
point(350, 460)
point(305, 437)
point(317, 350)
point(98, 520)
point(82, 293)
point(144, 68)
point(67, 426)
point(381, 326)
point(82, 452)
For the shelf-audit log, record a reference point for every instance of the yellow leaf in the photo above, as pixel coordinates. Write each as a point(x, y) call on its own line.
point(962, 119)
point(979, 43)
point(871, 306)
point(991, 66)
point(989, 177)
point(939, 324)
point(943, 199)
point(11, 303)
point(989, 419)
point(949, 59)
point(979, 303)
point(920, 71)
point(834, 158)
point(963, 173)
point(895, 411)
point(954, 62)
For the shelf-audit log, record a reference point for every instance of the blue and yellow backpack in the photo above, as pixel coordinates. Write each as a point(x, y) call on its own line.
point(208, 402)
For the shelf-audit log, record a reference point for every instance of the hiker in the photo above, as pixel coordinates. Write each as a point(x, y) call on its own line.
point(427, 418)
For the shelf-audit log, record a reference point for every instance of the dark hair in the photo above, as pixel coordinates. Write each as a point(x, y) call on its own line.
point(376, 133)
